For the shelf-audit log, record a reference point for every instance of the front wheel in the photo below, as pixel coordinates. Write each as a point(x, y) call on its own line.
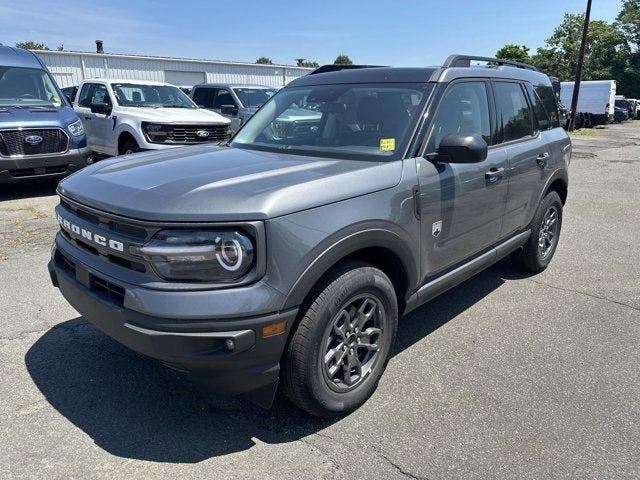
point(342, 344)
point(537, 253)
point(128, 147)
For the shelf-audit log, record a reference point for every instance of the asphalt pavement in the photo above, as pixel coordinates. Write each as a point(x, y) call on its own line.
point(505, 376)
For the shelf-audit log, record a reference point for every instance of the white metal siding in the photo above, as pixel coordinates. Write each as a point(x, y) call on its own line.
point(70, 68)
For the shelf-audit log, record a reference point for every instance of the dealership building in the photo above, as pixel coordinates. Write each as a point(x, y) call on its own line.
point(71, 68)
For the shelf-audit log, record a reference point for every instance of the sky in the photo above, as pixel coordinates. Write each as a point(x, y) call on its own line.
point(399, 33)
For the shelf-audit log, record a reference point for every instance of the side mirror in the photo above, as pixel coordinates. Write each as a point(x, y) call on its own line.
point(103, 108)
point(462, 148)
point(228, 109)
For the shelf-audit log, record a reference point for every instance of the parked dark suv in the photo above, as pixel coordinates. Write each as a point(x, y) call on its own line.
point(288, 255)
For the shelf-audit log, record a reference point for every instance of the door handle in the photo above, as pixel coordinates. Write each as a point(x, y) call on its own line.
point(493, 175)
point(542, 159)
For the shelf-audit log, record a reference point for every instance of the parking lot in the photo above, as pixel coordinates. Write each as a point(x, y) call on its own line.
point(505, 376)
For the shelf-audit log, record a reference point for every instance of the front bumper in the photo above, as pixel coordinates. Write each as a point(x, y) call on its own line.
point(196, 347)
point(13, 170)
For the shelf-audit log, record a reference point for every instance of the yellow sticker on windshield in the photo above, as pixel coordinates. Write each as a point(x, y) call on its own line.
point(387, 144)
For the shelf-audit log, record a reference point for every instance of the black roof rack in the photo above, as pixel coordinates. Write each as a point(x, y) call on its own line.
point(336, 68)
point(465, 61)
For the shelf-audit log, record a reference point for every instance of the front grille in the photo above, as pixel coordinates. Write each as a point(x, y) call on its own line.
point(30, 172)
point(12, 142)
point(109, 291)
point(188, 133)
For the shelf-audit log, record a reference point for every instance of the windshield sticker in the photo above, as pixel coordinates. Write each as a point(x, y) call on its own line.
point(387, 144)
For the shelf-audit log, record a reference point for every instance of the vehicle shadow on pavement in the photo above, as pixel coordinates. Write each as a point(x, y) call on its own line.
point(28, 190)
point(136, 408)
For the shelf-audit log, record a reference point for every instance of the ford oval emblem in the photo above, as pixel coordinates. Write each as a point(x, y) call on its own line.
point(202, 133)
point(33, 139)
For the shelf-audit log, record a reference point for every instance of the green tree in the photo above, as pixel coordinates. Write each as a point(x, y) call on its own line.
point(342, 59)
point(605, 52)
point(629, 21)
point(60, 48)
point(264, 61)
point(29, 45)
point(517, 53)
point(302, 62)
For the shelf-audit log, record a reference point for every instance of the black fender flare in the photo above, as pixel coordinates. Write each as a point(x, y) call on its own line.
point(336, 249)
point(559, 174)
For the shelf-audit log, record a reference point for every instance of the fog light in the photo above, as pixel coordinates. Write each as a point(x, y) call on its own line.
point(229, 344)
point(273, 329)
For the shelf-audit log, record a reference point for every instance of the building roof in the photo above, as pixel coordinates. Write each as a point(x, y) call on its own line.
point(167, 59)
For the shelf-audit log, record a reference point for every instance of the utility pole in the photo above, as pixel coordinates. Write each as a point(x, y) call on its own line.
point(576, 86)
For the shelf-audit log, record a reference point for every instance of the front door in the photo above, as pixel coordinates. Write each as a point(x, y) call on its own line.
point(461, 205)
point(101, 124)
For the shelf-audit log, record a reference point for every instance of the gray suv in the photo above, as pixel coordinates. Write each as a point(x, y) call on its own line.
point(287, 256)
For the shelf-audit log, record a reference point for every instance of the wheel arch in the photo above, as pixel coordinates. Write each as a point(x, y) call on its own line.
point(380, 248)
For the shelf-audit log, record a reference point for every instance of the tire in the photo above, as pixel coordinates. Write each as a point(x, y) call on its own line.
point(537, 253)
point(333, 388)
point(128, 147)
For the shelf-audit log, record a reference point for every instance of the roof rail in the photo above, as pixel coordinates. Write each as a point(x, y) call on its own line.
point(336, 68)
point(465, 61)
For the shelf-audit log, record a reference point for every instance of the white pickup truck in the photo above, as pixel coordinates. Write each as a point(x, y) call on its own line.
point(127, 116)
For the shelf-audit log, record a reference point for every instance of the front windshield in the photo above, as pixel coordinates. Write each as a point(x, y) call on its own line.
point(27, 87)
point(353, 121)
point(254, 97)
point(153, 96)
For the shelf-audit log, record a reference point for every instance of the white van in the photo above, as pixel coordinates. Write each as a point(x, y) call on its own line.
point(596, 97)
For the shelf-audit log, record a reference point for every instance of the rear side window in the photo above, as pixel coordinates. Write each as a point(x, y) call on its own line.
point(464, 109)
point(542, 119)
point(548, 97)
point(83, 99)
point(514, 114)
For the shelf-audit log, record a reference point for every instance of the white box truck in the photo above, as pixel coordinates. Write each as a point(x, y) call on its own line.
point(596, 97)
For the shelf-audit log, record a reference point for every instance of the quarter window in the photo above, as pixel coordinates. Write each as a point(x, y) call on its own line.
point(464, 109)
point(514, 114)
point(550, 102)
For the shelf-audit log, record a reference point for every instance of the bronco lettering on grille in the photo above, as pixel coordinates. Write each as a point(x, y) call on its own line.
point(90, 236)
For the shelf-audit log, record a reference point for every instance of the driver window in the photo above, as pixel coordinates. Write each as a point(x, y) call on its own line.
point(100, 95)
point(464, 109)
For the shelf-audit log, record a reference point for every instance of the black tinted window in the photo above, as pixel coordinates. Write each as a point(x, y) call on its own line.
point(204, 97)
point(514, 115)
point(223, 97)
point(548, 97)
point(84, 100)
point(464, 109)
point(541, 116)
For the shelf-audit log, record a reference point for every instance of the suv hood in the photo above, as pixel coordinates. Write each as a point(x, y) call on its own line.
point(211, 183)
point(176, 115)
point(36, 117)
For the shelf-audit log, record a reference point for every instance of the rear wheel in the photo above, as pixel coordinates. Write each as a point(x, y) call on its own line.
point(128, 147)
point(537, 253)
point(342, 344)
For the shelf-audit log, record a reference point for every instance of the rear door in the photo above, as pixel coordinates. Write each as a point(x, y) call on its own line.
point(528, 149)
point(461, 204)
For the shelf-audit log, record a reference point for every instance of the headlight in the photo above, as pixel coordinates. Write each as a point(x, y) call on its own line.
point(155, 133)
point(76, 128)
point(214, 256)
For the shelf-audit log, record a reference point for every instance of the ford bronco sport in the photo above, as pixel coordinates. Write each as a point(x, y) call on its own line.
point(287, 256)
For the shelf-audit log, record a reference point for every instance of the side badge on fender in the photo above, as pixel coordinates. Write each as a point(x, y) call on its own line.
point(436, 228)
